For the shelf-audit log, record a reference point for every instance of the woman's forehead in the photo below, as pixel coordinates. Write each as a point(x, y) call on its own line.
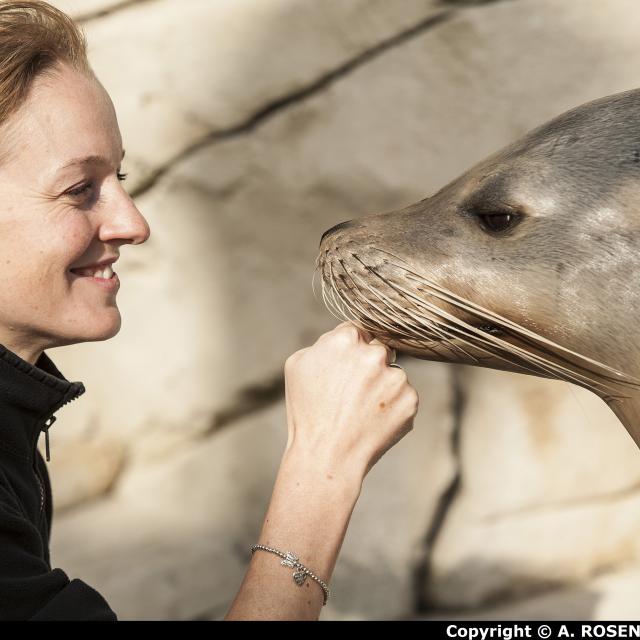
point(67, 120)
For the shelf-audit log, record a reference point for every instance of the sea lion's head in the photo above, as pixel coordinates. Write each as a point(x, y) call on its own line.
point(525, 263)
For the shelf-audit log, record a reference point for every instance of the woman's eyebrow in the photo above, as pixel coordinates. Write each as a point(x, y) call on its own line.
point(85, 160)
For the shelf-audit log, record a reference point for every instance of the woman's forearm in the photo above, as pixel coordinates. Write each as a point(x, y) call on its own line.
point(308, 515)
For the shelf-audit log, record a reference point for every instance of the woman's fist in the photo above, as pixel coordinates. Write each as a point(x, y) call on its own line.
point(345, 406)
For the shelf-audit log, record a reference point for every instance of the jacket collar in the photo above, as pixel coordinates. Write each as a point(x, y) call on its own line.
point(29, 396)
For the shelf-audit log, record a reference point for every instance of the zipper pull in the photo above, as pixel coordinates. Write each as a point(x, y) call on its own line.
point(45, 428)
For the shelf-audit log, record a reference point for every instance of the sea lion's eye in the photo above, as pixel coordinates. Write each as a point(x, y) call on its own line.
point(497, 222)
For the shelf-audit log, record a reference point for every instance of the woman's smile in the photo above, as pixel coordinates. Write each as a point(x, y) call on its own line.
point(108, 281)
point(100, 273)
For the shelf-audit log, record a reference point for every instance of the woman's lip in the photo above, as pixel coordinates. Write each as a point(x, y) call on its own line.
point(97, 265)
point(111, 284)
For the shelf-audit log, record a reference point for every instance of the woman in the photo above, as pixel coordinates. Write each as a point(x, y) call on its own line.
point(64, 216)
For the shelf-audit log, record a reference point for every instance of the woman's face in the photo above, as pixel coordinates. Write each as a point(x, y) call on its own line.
point(62, 206)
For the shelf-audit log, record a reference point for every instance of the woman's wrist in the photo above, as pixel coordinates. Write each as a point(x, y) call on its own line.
point(322, 472)
point(310, 510)
point(308, 516)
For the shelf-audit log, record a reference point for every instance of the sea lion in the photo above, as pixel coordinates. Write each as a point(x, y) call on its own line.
point(527, 262)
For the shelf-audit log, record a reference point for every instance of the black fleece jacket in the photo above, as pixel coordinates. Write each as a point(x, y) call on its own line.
point(29, 588)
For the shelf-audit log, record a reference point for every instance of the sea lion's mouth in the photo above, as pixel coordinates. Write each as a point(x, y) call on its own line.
point(490, 328)
point(392, 326)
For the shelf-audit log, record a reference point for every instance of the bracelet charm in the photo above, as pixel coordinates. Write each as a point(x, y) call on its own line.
point(293, 562)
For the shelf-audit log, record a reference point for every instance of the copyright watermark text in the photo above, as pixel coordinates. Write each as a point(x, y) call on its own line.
point(545, 631)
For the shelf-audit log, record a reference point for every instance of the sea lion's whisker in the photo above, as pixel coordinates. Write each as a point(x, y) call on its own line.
point(430, 306)
point(445, 336)
point(433, 327)
point(544, 363)
point(333, 293)
point(528, 336)
point(539, 364)
point(365, 312)
point(518, 329)
point(323, 291)
point(371, 314)
point(479, 335)
point(521, 355)
point(498, 319)
point(313, 282)
point(539, 361)
point(397, 310)
point(327, 300)
point(394, 331)
point(334, 313)
point(333, 306)
point(459, 334)
point(393, 317)
point(343, 304)
point(343, 308)
point(411, 327)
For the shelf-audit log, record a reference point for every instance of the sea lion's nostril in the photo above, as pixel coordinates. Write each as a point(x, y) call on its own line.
point(341, 225)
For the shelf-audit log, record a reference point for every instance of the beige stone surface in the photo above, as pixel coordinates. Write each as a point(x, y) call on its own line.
point(82, 9)
point(557, 443)
point(479, 561)
point(549, 493)
point(212, 66)
point(610, 596)
point(85, 470)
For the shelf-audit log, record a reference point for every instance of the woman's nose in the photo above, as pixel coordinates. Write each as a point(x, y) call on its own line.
point(140, 227)
point(125, 222)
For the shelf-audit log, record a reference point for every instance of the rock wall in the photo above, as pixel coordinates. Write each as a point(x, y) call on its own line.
point(250, 127)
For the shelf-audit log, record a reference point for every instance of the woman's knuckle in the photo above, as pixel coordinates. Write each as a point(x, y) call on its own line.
point(294, 358)
point(349, 332)
point(413, 400)
point(377, 353)
point(397, 376)
point(344, 337)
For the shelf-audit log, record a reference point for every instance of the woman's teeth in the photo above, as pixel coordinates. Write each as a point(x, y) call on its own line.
point(105, 272)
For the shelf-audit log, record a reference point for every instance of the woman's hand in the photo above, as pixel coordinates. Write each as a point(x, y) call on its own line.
point(345, 406)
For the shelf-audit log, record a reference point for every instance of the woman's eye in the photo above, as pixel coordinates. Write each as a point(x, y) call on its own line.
point(122, 176)
point(81, 190)
point(497, 222)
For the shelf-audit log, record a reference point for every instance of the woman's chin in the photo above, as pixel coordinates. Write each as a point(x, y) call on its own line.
point(102, 328)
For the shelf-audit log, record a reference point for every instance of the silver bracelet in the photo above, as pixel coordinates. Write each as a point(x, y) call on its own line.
point(301, 572)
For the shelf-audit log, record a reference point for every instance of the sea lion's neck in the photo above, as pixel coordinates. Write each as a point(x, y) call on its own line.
point(628, 412)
